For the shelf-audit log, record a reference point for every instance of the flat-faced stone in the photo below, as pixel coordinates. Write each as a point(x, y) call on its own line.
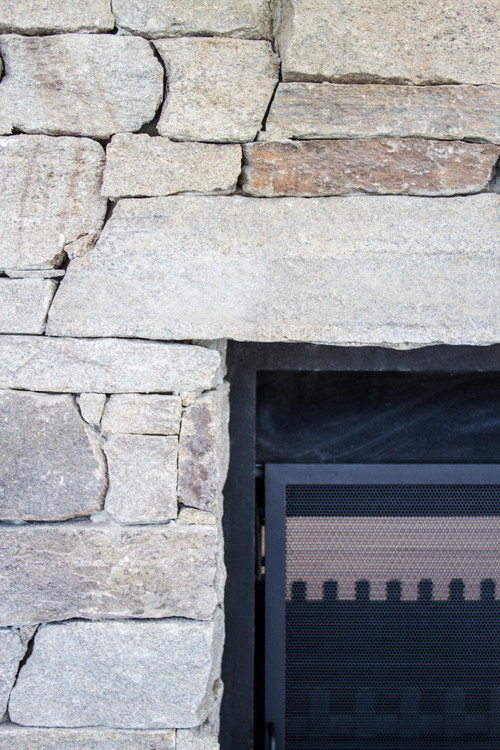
point(381, 165)
point(12, 651)
point(79, 674)
point(79, 84)
point(306, 110)
point(91, 406)
point(142, 478)
point(142, 414)
point(141, 165)
point(381, 270)
point(50, 202)
point(87, 570)
point(105, 365)
point(200, 738)
point(250, 19)
point(13, 737)
point(395, 41)
point(42, 17)
point(24, 304)
point(218, 89)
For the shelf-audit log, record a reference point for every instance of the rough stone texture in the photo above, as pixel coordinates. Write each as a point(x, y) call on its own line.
point(105, 366)
point(80, 674)
point(390, 40)
point(142, 414)
point(47, 273)
point(13, 737)
point(12, 651)
point(79, 84)
point(91, 406)
point(52, 464)
point(218, 89)
point(384, 166)
point(24, 304)
point(203, 451)
point(142, 478)
point(390, 270)
point(190, 516)
point(200, 738)
point(41, 17)
point(87, 570)
point(50, 202)
point(250, 19)
point(306, 110)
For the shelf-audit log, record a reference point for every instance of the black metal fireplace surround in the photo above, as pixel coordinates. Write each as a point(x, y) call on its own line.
point(362, 533)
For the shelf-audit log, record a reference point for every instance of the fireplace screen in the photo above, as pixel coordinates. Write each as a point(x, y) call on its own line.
point(382, 619)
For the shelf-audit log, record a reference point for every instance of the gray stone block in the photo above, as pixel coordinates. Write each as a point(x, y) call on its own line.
point(12, 650)
point(42, 17)
point(142, 414)
point(24, 304)
point(91, 406)
point(13, 737)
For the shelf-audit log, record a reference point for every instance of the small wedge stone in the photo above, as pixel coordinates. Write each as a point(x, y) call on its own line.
point(91, 406)
point(24, 305)
point(13, 737)
point(142, 414)
point(42, 17)
point(12, 651)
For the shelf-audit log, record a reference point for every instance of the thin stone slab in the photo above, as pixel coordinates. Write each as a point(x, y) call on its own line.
point(80, 674)
point(218, 89)
point(52, 465)
point(105, 366)
point(12, 650)
point(24, 304)
point(142, 478)
point(141, 165)
point(42, 17)
point(393, 41)
point(79, 84)
point(380, 270)
point(99, 570)
point(249, 19)
point(50, 201)
point(142, 414)
point(383, 166)
point(13, 737)
point(331, 110)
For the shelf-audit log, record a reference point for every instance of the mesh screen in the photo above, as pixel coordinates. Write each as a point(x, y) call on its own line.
point(392, 629)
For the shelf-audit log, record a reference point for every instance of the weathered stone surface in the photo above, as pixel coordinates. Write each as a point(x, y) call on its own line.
point(13, 737)
point(390, 40)
point(250, 19)
point(378, 165)
point(200, 738)
point(140, 165)
point(24, 304)
point(41, 17)
point(142, 478)
point(50, 202)
point(79, 84)
point(91, 406)
point(80, 674)
point(105, 366)
point(203, 451)
point(306, 110)
point(12, 651)
point(142, 414)
point(218, 89)
point(190, 516)
point(52, 464)
point(390, 270)
point(47, 273)
point(87, 570)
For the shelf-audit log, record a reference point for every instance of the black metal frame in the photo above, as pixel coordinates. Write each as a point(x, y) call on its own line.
point(244, 362)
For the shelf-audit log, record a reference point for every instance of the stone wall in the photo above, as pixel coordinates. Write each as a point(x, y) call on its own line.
point(185, 171)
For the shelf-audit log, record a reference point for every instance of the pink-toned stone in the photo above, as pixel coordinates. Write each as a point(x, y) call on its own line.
point(383, 166)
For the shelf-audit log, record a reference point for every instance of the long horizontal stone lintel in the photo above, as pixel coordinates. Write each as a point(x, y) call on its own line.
point(379, 270)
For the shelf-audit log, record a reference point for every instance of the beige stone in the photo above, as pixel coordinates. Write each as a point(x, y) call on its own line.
point(42, 16)
point(105, 365)
point(52, 465)
point(13, 737)
point(91, 406)
point(218, 89)
point(79, 84)
point(368, 41)
point(384, 166)
point(50, 202)
point(141, 165)
point(249, 19)
point(24, 304)
point(12, 651)
point(190, 516)
point(378, 270)
point(142, 478)
point(85, 570)
point(80, 674)
point(142, 414)
point(200, 738)
point(331, 110)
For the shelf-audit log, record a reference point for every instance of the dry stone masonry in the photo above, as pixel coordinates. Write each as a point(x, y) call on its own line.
point(175, 173)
